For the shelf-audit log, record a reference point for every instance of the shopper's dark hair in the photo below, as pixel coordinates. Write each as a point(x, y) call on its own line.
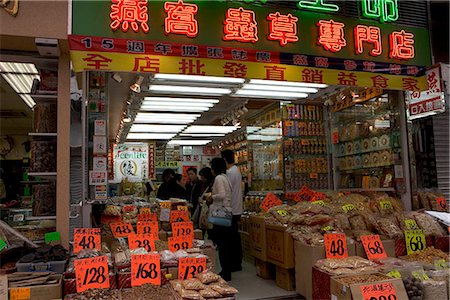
point(192, 169)
point(228, 155)
point(166, 173)
point(218, 165)
point(178, 177)
point(207, 174)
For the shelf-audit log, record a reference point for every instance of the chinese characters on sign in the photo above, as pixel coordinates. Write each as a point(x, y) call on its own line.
point(240, 25)
point(129, 13)
point(181, 18)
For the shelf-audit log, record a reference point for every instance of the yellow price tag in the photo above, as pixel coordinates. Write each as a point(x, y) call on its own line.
point(319, 202)
point(415, 241)
point(348, 207)
point(441, 264)
point(146, 210)
point(385, 204)
point(411, 224)
point(282, 212)
point(165, 204)
point(420, 274)
point(327, 228)
point(394, 274)
point(182, 208)
point(19, 294)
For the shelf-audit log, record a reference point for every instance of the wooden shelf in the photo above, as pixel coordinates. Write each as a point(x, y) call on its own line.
point(34, 182)
point(42, 174)
point(44, 97)
point(52, 134)
point(33, 218)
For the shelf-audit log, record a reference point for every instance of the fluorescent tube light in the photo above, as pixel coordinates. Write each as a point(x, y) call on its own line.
point(12, 67)
point(154, 128)
point(176, 104)
point(150, 136)
point(173, 109)
point(199, 78)
point(162, 118)
point(279, 88)
point(21, 83)
point(270, 94)
point(28, 100)
point(209, 129)
point(195, 135)
point(288, 83)
point(190, 100)
point(189, 142)
point(189, 90)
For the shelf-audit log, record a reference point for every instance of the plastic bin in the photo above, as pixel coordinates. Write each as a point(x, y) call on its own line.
point(51, 266)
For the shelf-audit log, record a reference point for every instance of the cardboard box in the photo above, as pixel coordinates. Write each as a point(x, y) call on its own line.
point(39, 292)
point(285, 278)
point(340, 291)
point(246, 248)
point(306, 257)
point(280, 247)
point(389, 247)
point(258, 237)
point(264, 269)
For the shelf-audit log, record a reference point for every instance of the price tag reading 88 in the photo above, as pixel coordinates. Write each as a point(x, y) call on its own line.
point(379, 291)
point(373, 246)
point(86, 238)
point(415, 241)
point(145, 268)
point(180, 243)
point(91, 273)
point(189, 267)
point(411, 224)
point(335, 245)
point(148, 228)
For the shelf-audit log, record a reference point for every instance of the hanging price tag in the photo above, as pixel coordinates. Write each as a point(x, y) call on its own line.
point(179, 216)
point(145, 268)
point(378, 291)
point(165, 205)
point(189, 267)
point(146, 241)
point(147, 217)
point(270, 201)
point(335, 245)
point(420, 274)
point(348, 207)
point(305, 194)
point(441, 204)
point(183, 229)
point(180, 243)
point(86, 238)
point(91, 273)
point(182, 207)
point(394, 274)
point(411, 224)
point(385, 204)
point(373, 246)
point(148, 228)
point(415, 241)
point(440, 264)
point(121, 229)
point(19, 294)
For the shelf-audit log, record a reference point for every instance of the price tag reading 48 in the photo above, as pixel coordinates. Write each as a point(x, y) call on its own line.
point(415, 241)
point(121, 229)
point(189, 267)
point(145, 268)
point(91, 273)
point(86, 238)
point(183, 229)
point(379, 291)
point(373, 246)
point(336, 245)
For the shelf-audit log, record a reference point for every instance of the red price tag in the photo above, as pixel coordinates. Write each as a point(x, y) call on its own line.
point(146, 241)
point(441, 204)
point(147, 217)
point(86, 238)
point(270, 201)
point(335, 137)
point(91, 273)
point(129, 208)
point(145, 268)
point(180, 243)
point(378, 291)
point(121, 229)
point(373, 246)
point(148, 228)
point(336, 245)
point(179, 216)
point(319, 196)
point(183, 229)
point(305, 194)
point(189, 267)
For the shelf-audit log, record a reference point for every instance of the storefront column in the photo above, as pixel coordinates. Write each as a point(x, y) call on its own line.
point(63, 150)
point(406, 196)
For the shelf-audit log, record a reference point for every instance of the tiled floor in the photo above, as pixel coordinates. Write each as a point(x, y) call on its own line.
point(252, 287)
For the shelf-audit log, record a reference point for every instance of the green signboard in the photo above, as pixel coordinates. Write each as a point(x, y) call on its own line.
point(308, 33)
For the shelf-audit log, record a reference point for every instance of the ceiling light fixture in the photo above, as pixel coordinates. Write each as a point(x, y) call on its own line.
point(174, 109)
point(181, 100)
point(189, 90)
point(210, 129)
point(176, 104)
point(200, 135)
point(287, 83)
point(136, 87)
point(271, 94)
point(156, 128)
point(189, 142)
point(198, 78)
point(150, 136)
point(279, 88)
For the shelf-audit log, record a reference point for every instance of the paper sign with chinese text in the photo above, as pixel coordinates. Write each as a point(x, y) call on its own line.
point(142, 217)
point(378, 291)
point(145, 268)
point(270, 201)
point(189, 267)
point(148, 227)
point(86, 238)
point(91, 273)
point(146, 241)
point(121, 229)
point(183, 229)
point(180, 243)
point(335, 245)
point(179, 216)
point(415, 241)
point(373, 246)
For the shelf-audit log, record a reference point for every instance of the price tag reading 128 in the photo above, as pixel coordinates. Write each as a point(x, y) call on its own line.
point(145, 268)
point(86, 238)
point(189, 267)
point(91, 273)
point(183, 229)
point(180, 243)
point(379, 291)
point(373, 246)
point(146, 241)
point(335, 245)
point(121, 229)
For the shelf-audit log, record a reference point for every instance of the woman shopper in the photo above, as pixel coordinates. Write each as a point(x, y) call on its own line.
point(221, 197)
point(200, 216)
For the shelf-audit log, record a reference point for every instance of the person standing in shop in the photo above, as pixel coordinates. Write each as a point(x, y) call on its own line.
point(221, 196)
point(193, 188)
point(177, 187)
point(164, 188)
point(201, 214)
point(235, 178)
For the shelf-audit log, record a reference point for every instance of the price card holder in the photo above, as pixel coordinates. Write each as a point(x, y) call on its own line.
point(270, 201)
point(411, 224)
point(148, 228)
point(189, 267)
point(394, 273)
point(179, 216)
point(147, 217)
point(441, 264)
point(91, 273)
point(385, 204)
point(336, 245)
point(86, 238)
point(180, 243)
point(183, 229)
point(415, 241)
point(145, 268)
point(441, 204)
point(373, 246)
point(377, 291)
point(121, 229)
point(146, 241)
point(348, 208)
point(19, 294)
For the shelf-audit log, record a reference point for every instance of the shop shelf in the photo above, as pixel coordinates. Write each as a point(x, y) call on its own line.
point(42, 174)
point(44, 97)
point(35, 182)
point(39, 218)
point(43, 134)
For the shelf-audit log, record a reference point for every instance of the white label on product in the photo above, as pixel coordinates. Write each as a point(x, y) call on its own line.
point(100, 163)
point(98, 177)
point(398, 169)
point(99, 144)
point(18, 218)
point(100, 127)
point(382, 124)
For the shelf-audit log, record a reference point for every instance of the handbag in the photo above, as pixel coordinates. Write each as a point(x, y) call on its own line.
point(220, 215)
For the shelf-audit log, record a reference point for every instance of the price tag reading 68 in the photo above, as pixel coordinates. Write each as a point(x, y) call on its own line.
point(373, 246)
point(145, 268)
point(415, 241)
point(86, 238)
point(189, 267)
point(336, 245)
point(91, 273)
